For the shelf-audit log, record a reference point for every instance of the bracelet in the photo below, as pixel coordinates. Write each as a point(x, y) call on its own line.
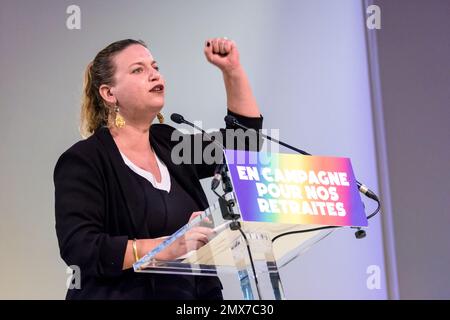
point(136, 257)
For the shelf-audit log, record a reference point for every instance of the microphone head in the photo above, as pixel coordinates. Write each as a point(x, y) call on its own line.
point(177, 118)
point(230, 120)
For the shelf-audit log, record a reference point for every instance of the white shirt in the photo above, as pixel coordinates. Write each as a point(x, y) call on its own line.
point(165, 176)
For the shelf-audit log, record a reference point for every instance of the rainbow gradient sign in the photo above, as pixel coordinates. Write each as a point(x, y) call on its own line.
point(295, 189)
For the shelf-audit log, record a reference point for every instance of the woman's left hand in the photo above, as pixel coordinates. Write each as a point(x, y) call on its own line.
point(222, 53)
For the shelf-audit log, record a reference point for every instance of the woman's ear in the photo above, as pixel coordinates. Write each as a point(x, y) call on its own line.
point(106, 94)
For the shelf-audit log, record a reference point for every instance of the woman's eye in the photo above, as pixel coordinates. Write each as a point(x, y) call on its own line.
point(156, 68)
point(137, 70)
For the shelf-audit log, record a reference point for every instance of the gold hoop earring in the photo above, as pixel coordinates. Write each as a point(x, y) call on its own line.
point(160, 117)
point(119, 121)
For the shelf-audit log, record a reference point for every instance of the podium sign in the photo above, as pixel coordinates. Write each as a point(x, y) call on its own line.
point(295, 189)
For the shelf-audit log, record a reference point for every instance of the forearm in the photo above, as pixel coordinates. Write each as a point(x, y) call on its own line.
point(143, 246)
point(240, 98)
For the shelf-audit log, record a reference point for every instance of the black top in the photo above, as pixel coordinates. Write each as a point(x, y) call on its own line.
point(100, 203)
point(164, 212)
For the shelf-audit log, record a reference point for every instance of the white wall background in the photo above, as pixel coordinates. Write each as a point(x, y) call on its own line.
point(307, 63)
point(414, 51)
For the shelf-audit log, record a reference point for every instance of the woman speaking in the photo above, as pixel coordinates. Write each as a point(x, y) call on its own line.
point(118, 191)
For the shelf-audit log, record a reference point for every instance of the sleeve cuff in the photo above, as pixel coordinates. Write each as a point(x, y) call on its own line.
point(112, 255)
point(250, 122)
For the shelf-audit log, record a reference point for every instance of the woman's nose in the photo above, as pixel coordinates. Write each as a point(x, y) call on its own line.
point(155, 75)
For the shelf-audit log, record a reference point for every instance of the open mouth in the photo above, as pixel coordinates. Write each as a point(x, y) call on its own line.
point(157, 88)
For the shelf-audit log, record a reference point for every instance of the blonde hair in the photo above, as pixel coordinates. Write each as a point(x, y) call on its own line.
point(95, 113)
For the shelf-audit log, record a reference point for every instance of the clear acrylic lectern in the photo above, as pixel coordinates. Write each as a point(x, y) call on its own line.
point(248, 251)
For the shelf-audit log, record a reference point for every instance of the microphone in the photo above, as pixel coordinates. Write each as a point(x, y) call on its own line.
point(232, 121)
point(178, 118)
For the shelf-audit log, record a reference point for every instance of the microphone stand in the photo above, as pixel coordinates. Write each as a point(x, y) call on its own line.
point(226, 206)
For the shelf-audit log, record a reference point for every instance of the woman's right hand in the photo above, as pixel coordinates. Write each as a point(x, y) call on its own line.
point(194, 239)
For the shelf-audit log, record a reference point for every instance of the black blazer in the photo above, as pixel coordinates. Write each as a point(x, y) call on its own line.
point(95, 205)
